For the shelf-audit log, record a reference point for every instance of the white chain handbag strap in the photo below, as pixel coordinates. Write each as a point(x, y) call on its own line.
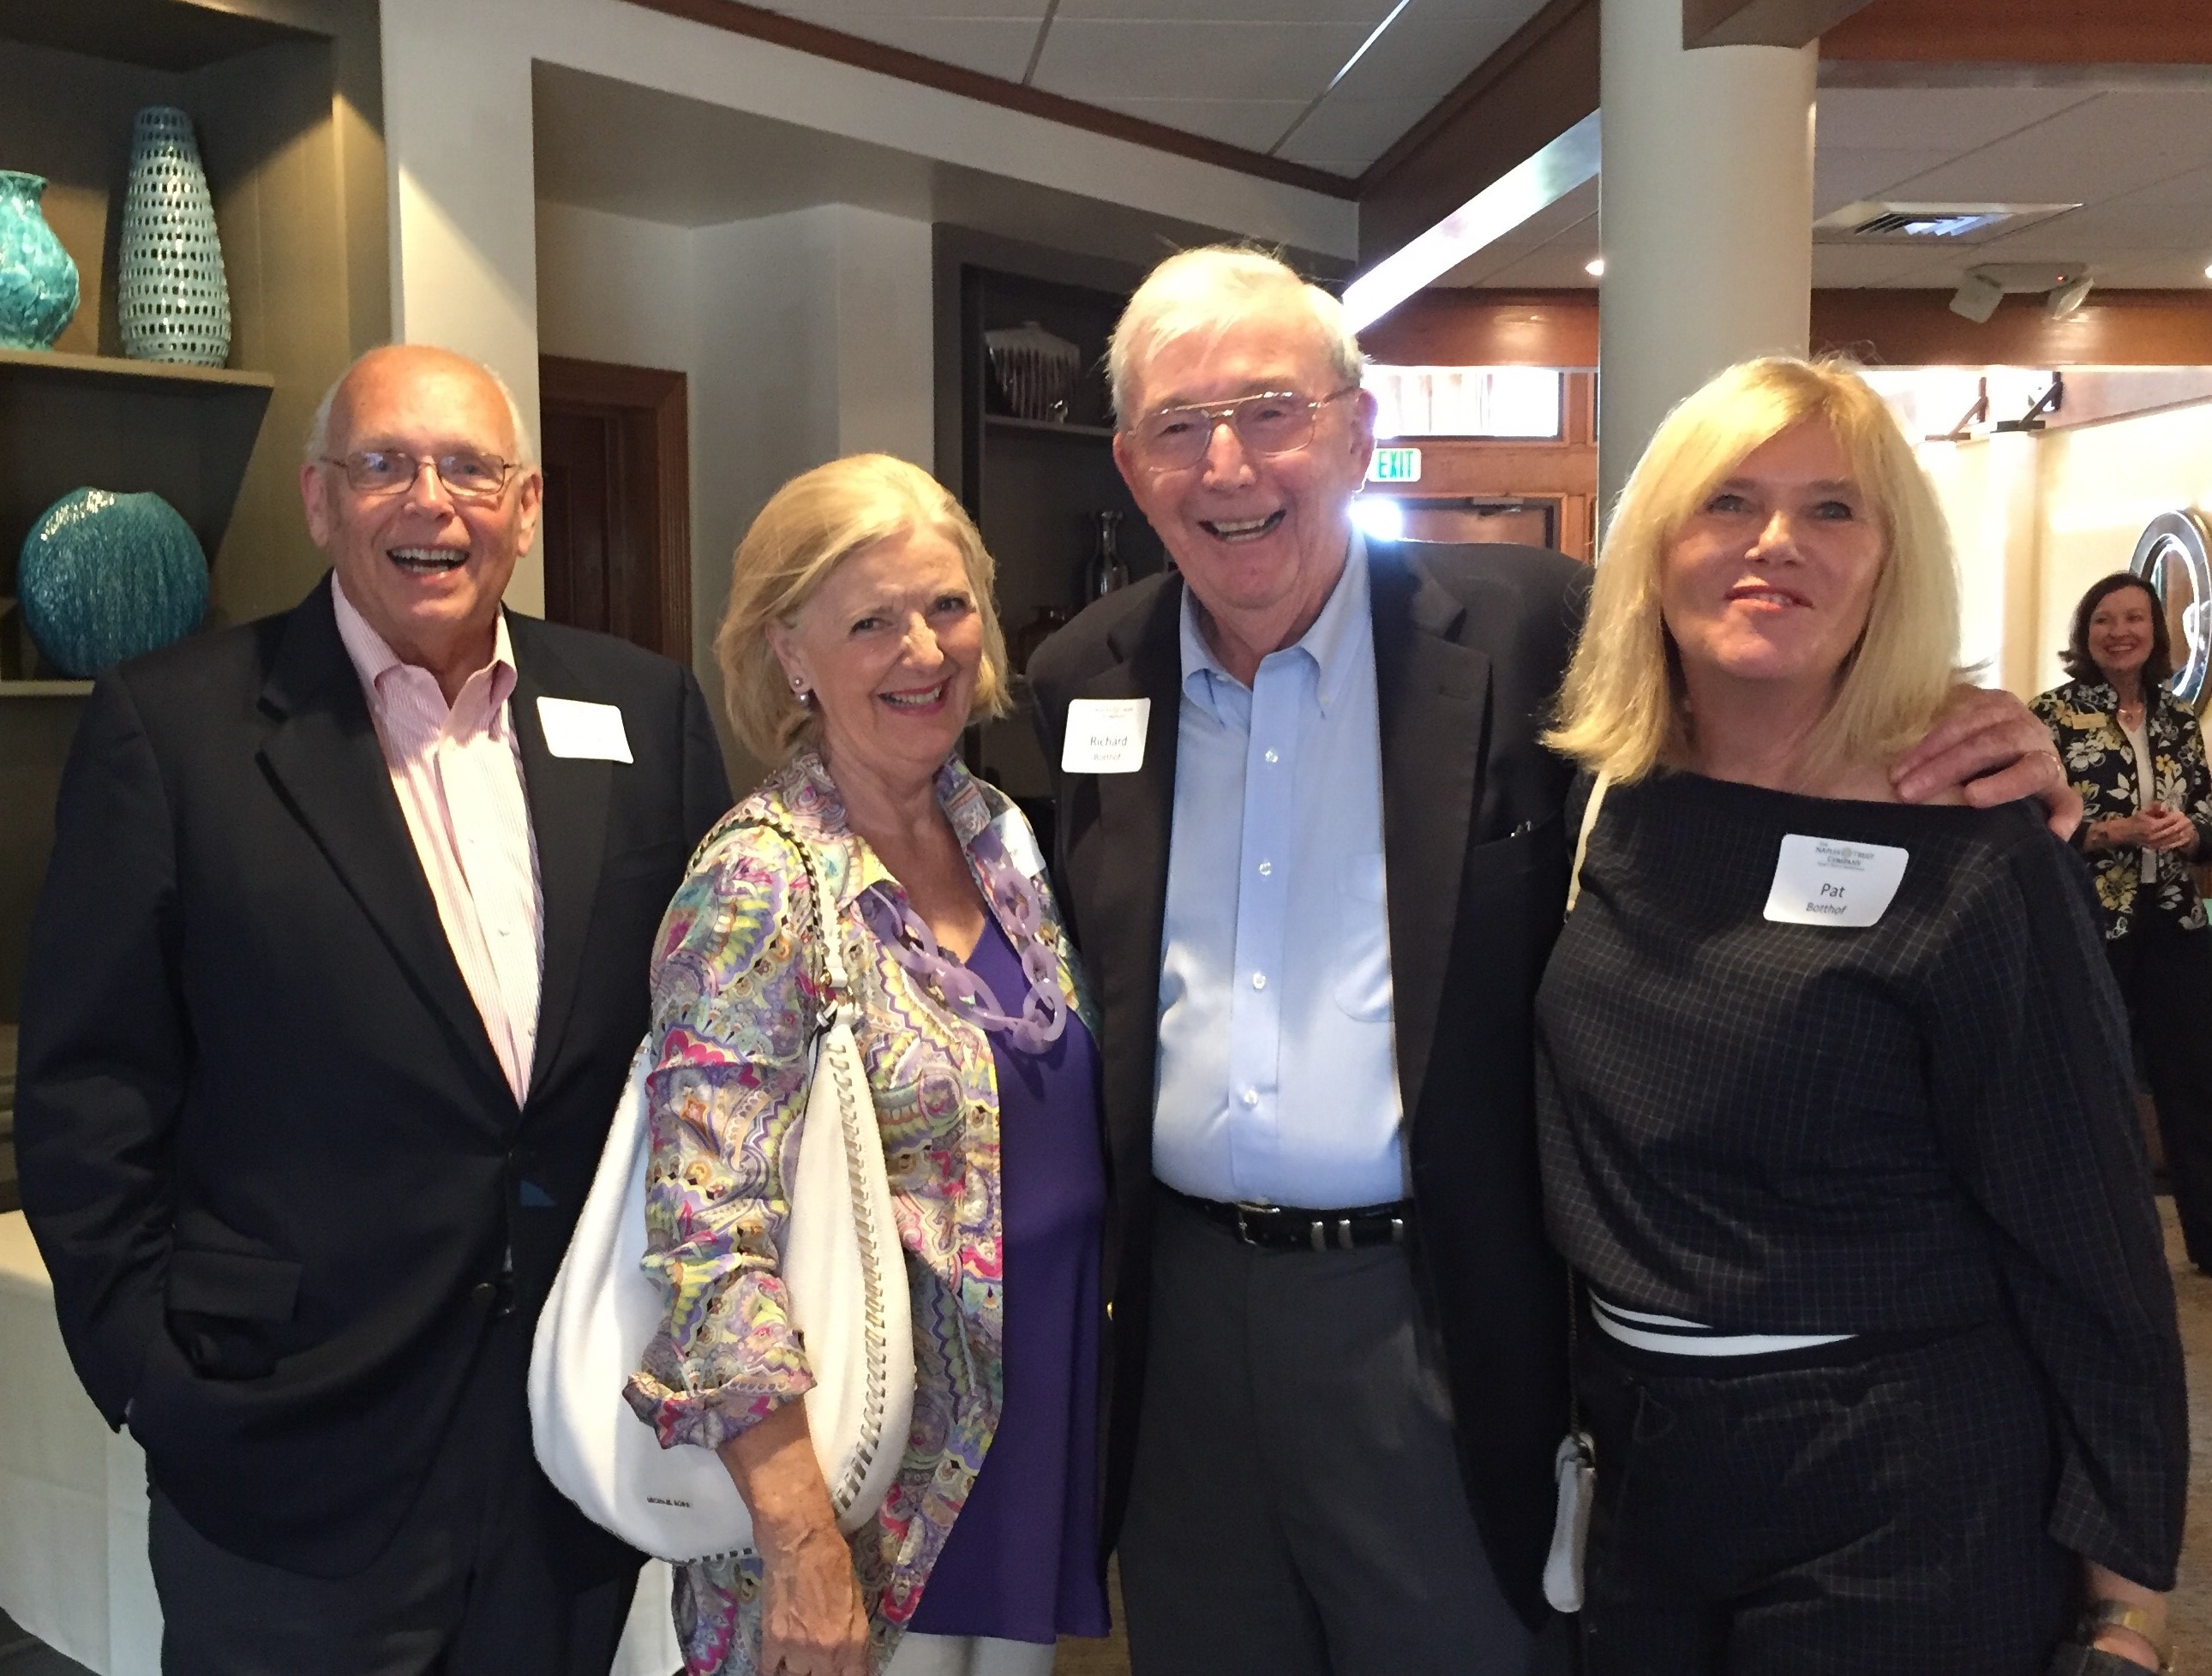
point(1582, 838)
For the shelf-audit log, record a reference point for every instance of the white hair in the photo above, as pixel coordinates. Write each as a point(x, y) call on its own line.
point(1206, 290)
point(318, 445)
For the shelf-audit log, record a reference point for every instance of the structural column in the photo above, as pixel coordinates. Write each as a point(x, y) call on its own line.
point(1706, 196)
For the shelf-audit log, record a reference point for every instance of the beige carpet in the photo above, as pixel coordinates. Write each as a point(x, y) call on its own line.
point(2191, 1609)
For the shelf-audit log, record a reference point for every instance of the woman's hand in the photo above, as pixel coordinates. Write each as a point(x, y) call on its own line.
point(2117, 832)
point(1991, 747)
point(2164, 828)
point(814, 1622)
point(2102, 1585)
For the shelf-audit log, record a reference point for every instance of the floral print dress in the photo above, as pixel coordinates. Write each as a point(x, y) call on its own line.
point(2084, 719)
point(734, 994)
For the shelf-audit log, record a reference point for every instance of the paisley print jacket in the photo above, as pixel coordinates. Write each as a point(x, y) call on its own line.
point(735, 983)
point(2084, 719)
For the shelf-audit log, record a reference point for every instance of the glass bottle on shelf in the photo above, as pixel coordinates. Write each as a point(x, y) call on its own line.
point(1105, 572)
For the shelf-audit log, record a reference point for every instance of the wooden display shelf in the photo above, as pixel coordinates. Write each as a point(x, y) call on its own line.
point(45, 689)
point(70, 421)
point(14, 362)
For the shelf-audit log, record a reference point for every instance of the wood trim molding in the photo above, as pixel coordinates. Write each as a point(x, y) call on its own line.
point(826, 42)
point(1455, 327)
point(2035, 32)
point(1542, 81)
point(1761, 22)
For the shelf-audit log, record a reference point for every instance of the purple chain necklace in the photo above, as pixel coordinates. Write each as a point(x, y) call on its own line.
point(914, 946)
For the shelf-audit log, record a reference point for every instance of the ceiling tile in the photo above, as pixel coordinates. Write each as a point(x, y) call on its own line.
point(1946, 120)
point(997, 46)
point(1205, 61)
point(1362, 14)
point(2165, 270)
point(835, 14)
point(1250, 122)
point(2111, 144)
point(1864, 264)
point(1841, 176)
point(1430, 51)
point(1362, 129)
point(2121, 225)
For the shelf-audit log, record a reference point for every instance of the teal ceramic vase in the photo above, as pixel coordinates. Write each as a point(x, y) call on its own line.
point(38, 281)
point(172, 299)
point(106, 577)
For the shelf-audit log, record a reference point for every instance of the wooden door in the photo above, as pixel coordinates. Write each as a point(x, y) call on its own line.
point(616, 535)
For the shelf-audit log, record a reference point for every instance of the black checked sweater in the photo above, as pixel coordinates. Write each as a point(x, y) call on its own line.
point(1924, 1123)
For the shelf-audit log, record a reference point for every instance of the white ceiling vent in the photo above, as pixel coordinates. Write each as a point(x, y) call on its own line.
point(1872, 221)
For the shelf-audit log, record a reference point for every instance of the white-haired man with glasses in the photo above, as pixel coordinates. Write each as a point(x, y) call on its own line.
point(1313, 853)
point(333, 987)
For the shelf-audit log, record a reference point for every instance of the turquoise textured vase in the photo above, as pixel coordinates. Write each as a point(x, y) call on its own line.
point(38, 281)
point(172, 299)
point(104, 577)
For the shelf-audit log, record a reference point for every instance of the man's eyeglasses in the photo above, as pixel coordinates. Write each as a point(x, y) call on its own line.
point(466, 475)
point(1275, 422)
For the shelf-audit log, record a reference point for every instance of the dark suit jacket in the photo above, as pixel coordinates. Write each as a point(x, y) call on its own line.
point(265, 1146)
point(1470, 644)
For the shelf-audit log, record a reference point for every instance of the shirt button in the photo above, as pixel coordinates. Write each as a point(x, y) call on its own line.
point(1267, 868)
point(1251, 1097)
point(1273, 757)
point(1259, 980)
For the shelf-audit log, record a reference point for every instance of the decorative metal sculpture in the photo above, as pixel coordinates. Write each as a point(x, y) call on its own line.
point(2174, 555)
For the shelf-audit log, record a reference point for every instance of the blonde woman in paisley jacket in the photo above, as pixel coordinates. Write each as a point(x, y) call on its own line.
point(2136, 755)
point(857, 644)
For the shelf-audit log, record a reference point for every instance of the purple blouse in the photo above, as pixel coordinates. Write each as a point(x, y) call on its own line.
point(1021, 1562)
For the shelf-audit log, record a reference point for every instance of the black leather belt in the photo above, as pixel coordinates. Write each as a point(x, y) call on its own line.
point(1287, 1228)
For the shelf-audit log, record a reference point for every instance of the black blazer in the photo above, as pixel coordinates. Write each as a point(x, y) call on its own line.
point(267, 1152)
point(1470, 644)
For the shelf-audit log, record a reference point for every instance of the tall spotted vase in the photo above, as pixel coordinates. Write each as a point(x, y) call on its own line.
point(173, 300)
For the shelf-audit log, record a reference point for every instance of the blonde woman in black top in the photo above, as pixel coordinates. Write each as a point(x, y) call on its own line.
point(2136, 755)
point(1880, 1353)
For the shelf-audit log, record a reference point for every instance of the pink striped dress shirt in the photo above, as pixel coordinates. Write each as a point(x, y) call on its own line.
point(457, 772)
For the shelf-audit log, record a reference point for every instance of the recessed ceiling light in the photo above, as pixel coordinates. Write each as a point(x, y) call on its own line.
point(1596, 268)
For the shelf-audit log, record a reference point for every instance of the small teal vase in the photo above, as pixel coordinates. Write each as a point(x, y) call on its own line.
point(38, 281)
point(106, 577)
point(172, 302)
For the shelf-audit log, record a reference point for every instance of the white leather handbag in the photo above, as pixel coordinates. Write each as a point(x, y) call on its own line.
point(845, 1279)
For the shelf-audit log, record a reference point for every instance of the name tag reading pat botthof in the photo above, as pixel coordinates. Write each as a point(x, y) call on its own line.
point(1827, 882)
point(1105, 735)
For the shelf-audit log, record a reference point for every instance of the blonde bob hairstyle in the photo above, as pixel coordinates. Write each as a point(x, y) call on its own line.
point(809, 527)
point(1622, 709)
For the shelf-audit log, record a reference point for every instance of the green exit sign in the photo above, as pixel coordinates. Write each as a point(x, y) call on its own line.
point(1395, 466)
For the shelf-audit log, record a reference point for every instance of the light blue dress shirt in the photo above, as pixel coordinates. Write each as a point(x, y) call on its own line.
point(1277, 1080)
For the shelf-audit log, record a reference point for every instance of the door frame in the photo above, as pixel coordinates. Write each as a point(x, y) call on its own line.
point(653, 404)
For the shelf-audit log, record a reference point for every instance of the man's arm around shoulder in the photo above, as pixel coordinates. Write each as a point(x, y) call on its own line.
point(104, 1051)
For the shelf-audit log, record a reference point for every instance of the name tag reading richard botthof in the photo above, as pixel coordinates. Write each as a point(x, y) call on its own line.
point(1105, 735)
point(1827, 882)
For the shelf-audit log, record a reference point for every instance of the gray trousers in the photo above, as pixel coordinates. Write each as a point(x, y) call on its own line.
point(1296, 1507)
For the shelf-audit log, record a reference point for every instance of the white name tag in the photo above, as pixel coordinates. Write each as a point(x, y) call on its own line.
point(1827, 882)
point(575, 728)
point(1105, 735)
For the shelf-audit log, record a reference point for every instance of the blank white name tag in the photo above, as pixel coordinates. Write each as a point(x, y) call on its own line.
point(576, 728)
point(1019, 844)
point(1827, 882)
point(1105, 735)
